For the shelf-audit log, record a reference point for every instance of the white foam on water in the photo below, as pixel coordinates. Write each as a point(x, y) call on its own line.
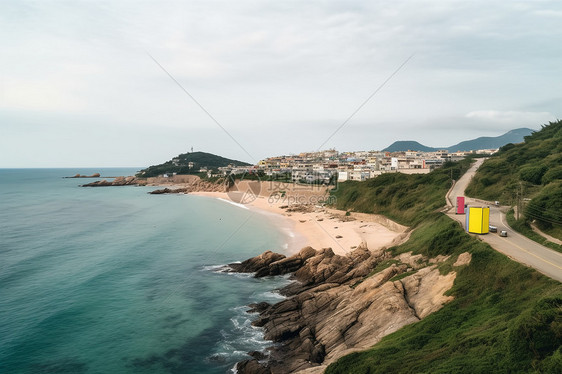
point(240, 275)
point(227, 270)
point(290, 233)
point(215, 268)
point(272, 295)
point(242, 338)
point(235, 204)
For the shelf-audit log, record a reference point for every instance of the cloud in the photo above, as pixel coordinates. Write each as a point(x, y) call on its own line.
point(549, 13)
point(512, 118)
point(293, 71)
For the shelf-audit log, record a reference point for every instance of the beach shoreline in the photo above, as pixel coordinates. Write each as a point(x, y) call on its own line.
point(298, 211)
point(321, 227)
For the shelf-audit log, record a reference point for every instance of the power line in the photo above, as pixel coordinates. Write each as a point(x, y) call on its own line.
point(366, 101)
point(544, 211)
point(543, 218)
point(541, 210)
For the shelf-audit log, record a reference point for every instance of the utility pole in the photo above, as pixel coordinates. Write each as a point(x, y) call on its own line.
point(519, 198)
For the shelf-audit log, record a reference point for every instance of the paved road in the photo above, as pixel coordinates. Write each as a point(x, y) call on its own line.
point(515, 245)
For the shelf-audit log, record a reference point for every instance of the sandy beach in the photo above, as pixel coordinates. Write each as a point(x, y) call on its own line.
point(321, 227)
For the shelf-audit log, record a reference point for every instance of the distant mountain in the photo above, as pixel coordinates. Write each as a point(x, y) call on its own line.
point(189, 163)
point(484, 142)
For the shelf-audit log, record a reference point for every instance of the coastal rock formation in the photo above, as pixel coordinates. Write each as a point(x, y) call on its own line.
point(337, 305)
point(184, 184)
point(168, 190)
point(191, 183)
point(258, 263)
point(95, 175)
point(118, 181)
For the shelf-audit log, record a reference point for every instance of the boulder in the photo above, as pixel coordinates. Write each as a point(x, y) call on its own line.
point(118, 181)
point(251, 367)
point(168, 191)
point(257, 263)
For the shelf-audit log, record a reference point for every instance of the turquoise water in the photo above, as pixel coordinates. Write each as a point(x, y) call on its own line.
point(114, 280)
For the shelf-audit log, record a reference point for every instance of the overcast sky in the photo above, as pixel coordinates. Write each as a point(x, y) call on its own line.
point(78, 86)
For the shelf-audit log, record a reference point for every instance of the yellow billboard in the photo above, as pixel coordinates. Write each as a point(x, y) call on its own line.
point(478, 220)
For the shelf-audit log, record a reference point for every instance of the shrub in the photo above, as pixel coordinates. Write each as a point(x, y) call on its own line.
point(546, 207)
point(552, 174)
point(537, 332)
point(533, 174)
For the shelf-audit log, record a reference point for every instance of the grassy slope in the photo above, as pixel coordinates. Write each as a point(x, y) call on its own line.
point(523, 227)
point(505, 317)
point(405, 199)
point(533, 168)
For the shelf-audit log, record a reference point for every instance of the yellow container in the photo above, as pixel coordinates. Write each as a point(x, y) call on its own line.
point(478, 220)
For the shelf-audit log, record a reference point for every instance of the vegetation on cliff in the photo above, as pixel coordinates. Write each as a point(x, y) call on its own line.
point(531, 170)
point(406, 199)
point(189, 163)
point(504, 317)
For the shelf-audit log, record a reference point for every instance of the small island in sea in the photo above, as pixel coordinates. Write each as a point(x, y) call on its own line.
point(95, 175)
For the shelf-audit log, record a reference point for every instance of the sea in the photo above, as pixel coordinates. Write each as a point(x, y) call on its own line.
point(115, 280)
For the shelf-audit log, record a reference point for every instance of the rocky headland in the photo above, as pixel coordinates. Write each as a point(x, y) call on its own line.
point(340, 304)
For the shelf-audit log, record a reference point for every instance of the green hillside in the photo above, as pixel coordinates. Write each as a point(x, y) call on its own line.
point(527, 174)
point(505, 317)
point(406, 199)
point(181, 164)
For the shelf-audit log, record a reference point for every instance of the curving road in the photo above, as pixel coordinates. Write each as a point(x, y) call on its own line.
point(515, 245)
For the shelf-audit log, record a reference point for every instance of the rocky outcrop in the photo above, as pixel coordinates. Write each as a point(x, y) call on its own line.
point(168, 190)
point(118, 181)
point(205, 186)
point(95, 175)
point(187, 184)
point(193, 184)
point(425, 290)
point(259, 263)
point(337, 306)
point(463, 259)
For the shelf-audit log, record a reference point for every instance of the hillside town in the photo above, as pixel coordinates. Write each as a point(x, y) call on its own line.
point(329, 165)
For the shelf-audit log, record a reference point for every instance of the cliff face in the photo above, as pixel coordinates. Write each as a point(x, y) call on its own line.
point(336, 306)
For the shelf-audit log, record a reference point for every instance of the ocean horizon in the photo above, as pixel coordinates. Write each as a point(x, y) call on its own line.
point(98, 280)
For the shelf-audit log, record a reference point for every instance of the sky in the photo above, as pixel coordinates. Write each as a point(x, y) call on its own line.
point(135, 83)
